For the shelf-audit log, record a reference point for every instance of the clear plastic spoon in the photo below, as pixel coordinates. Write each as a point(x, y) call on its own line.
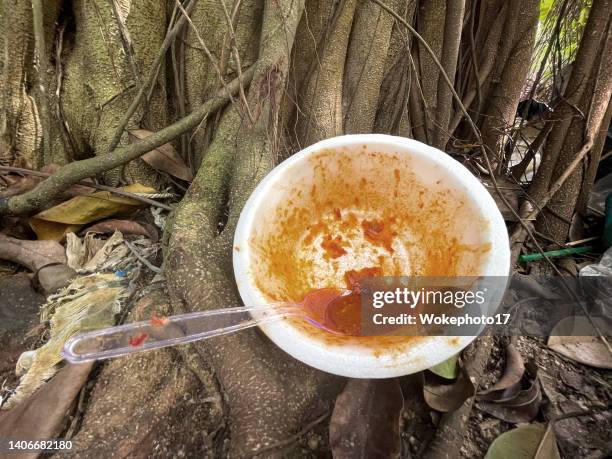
point(185, 328)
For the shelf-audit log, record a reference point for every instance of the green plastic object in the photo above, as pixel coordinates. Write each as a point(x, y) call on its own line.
point(555, 253)
point(607, 232)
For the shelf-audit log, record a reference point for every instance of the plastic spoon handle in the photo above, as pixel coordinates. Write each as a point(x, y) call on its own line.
point(169, 331)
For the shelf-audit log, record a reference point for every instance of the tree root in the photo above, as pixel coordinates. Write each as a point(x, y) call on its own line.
point(270, 395)
point(49, 190)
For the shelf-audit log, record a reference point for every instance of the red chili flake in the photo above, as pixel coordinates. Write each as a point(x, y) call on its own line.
point(159, 321)
point(137, 340)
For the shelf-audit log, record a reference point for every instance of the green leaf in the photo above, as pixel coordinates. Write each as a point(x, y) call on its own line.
point(528, 441)
point(448, 369)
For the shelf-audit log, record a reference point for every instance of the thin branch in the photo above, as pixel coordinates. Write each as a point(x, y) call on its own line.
point(232, 39)
point(49, 190)
point(211, 58)
point(142, 258)
point(110, 189)
point(146, 85)
point(126, 40)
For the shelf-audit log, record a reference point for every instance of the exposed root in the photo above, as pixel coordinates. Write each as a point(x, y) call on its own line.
point(48, 190)
point(253, 373)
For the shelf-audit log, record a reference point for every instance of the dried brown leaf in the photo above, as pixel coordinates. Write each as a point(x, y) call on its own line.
point(524, 407)
point(589, 350)
point(125, 226)
point(17, 184)
point(510, 382)
point(42, 416)
point(164, 158)
point(31, 254)
point(365, 422)
point(444, 395)
point(55, 222)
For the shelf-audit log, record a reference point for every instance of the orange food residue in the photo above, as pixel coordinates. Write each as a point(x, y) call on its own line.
point(159, 321)
point(352, 277)
point(138, 340)
point(379, 233)
point(334, 247)
point(389, 207)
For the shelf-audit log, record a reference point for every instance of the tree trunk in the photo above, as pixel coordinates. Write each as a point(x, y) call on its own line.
point(578, 121)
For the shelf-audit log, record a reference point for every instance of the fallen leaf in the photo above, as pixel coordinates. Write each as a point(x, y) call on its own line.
point(589, 350)
point(125, 226)
point(31, 254)
point(51, 231)
point(448, 369)
point(524, 407)
point(56, 222)
point(530, 441)
point(164, 158)
point(445, 396)
point(43, 415)
point(510, 382)
point(18, 184)
point(365, 422)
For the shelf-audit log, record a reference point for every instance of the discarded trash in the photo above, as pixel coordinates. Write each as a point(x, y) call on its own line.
point(555, 253)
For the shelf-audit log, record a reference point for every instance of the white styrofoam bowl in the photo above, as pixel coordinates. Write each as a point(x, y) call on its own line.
point(353, 359)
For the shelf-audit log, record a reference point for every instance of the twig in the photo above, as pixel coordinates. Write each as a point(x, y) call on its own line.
point(110, 189)
point(41, 61)
point(582, 241)
point(48, 190)
point(575, 414)
point(126, 40)
point(204, 47)
point(142, 259)
point(144, 87)
point(232, 39)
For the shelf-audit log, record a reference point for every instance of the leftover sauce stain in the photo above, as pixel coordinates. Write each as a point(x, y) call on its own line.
point(352, 277)
point(333, 246)
point(395, 200)
point(138, 340)
point(379, 233)
point(159, 321)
